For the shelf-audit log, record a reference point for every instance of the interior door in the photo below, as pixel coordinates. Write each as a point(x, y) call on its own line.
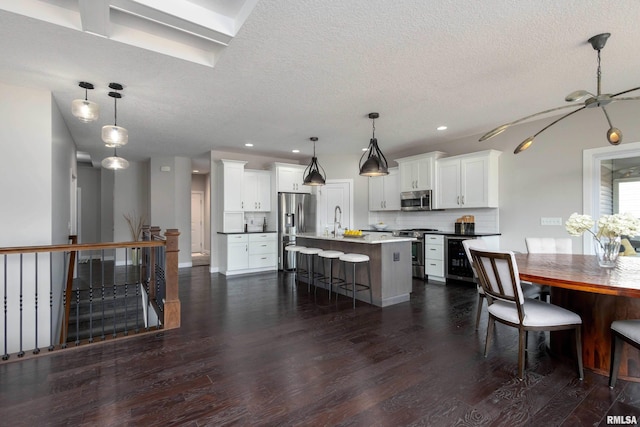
point(197, 215)
point(337, 193)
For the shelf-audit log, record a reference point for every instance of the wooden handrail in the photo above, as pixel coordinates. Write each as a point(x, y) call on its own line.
point(82, 247)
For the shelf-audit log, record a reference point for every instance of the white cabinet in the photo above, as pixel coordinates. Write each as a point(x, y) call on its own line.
point(248, 253)
point(468, 181)
point(237, 252)
point(418, 172)
point(232, 177)
point(384, 192)
point(289, 178)
point(434, 257)
point(256, 191)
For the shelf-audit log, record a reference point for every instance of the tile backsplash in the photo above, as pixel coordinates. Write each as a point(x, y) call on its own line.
point(486, 220)
point(254, 220)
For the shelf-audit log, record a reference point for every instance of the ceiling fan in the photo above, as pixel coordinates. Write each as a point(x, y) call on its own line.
point(587, 100)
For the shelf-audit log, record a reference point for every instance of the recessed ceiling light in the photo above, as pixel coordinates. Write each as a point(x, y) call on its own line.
point(442, 128)
point(196, 171)
point(295, 151)
point(365, 148)
point(248, 144)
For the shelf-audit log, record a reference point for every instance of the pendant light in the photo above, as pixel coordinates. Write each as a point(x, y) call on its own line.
point(85, 110)
point(312, 174)
point(114, 162)
point(376, 163)
point(114, 135)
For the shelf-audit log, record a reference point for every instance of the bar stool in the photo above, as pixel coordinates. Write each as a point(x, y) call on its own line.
point(355, 259)
point(622, 331)
point(295, 250)
point(309, 255)
point(329, 255)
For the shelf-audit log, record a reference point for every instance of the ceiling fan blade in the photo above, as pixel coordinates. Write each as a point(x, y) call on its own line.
point(626, 98)
point(504, 127)
point(625, 91)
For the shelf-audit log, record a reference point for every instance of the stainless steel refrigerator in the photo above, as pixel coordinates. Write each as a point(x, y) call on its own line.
point(296, 214)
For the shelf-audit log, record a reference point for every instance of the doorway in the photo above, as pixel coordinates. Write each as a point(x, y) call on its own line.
point(197, 222)
point(338, 192)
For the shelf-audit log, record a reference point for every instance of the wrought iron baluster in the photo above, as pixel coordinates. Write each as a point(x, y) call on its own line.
point(91, 297)
point(102, 290)
point(115, 302)
point(137, 308)
point(77, 291)
point(5, 356)
point(51, 326)
point(21, 352)
point(36, 350)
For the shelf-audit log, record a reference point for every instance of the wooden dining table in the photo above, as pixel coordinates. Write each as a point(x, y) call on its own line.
point(599, 295)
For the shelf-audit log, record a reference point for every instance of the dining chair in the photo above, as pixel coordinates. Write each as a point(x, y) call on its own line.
point(498, 274)
point(549, 245)
point(622, 331)
point(529, 290)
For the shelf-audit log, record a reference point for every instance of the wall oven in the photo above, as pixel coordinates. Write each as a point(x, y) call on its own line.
point(457, 265)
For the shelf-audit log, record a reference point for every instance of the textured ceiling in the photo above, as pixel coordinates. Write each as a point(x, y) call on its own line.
point(289, 70)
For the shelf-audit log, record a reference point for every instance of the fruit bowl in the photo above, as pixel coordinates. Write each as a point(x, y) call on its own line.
point(380, 226)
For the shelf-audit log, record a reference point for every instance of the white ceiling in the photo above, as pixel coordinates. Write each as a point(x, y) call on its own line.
point(202, 75)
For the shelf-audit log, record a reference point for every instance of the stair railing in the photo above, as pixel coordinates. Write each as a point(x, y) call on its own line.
point(27, 273)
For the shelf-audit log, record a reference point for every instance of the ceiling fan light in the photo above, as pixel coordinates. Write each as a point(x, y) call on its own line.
point(114, 136)
point(577, 95)
point(115, 163)
point(494, 132)
point(524, 145)
point(614, 136)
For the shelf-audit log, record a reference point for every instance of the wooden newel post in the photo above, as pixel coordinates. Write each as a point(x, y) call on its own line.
point(172, 301)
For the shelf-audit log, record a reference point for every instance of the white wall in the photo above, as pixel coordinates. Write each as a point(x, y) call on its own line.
point(91, 211)
point(171, 200)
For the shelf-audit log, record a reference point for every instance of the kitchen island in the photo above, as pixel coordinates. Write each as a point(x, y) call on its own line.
point(390, 259)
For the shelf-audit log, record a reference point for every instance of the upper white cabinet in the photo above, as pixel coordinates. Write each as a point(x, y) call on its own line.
point(468, 181)
point(289, 178)
point(256, 190)
point(232, 177)
point(418, 172)
point(384, 192)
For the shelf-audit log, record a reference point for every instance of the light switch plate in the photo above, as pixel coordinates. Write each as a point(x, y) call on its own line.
point(550, 221)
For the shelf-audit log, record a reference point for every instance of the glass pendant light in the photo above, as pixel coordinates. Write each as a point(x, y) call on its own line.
point(85, 110)
point(114, 135)
point(376, 163)
point(114, 162)
point(312, 174)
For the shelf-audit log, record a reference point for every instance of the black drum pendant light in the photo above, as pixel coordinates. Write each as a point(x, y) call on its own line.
point(588, 100)
point(312, 174)
point(376, 163)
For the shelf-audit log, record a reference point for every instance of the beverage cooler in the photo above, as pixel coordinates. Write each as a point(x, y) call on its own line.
point(457, 265)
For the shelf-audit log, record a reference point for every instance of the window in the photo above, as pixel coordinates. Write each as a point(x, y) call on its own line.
point(626, 195)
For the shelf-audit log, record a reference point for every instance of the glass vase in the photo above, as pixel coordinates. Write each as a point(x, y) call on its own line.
point(607, 251)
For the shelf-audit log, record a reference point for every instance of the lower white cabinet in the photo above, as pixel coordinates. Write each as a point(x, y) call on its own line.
point(244, 253)
point(434, 257)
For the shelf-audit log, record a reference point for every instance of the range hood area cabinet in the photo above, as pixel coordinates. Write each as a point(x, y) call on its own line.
point(467, 181)
point(417, 173)
point(384, 191)
point(289, 178)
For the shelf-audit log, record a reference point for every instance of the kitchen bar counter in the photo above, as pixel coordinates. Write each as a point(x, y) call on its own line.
point(390, 259)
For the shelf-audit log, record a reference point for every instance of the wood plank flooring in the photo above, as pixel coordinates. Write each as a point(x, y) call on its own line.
point(257, 350)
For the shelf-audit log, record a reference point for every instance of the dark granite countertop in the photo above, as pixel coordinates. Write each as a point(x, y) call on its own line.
point(246, 232)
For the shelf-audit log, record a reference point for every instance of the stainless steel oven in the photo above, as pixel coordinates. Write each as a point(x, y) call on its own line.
point(457, 265)
point(417, 249)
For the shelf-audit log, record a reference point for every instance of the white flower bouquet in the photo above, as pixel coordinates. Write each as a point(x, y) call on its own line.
point(607, 237)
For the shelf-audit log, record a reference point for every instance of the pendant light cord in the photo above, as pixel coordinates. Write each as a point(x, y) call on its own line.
point(115, 111)
point(599, 74)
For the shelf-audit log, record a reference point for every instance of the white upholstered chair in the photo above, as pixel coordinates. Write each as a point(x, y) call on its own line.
point(498, 274)
point(549, 245)
point(530, 290)
point(622, 330)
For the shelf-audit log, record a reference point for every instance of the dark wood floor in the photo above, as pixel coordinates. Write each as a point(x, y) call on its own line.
point(256, 351)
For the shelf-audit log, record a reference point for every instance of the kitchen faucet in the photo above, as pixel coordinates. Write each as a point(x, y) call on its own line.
point(335, 220)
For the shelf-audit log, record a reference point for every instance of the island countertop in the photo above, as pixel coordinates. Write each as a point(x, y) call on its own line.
point(368, 238)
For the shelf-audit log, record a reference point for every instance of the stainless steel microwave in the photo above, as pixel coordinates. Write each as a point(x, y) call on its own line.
point(416, 200)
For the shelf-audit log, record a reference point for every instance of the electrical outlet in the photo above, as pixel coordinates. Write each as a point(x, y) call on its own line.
point(396, 256)
point(550, 221)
